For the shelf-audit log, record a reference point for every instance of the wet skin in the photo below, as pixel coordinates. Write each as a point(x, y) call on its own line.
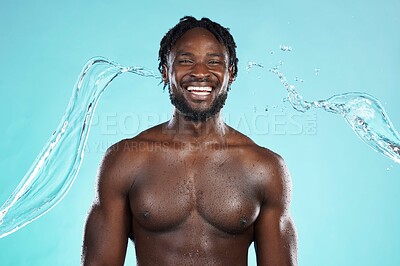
point(192, 193)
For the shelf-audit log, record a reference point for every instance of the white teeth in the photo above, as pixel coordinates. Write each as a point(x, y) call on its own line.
point(199, 89)
point(203, 93)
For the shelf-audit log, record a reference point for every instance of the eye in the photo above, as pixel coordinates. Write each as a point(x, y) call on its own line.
point(185, 61)
point(214, 62)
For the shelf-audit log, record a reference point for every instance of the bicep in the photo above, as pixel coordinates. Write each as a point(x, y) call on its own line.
point(275, 234)
point(107, 226)
point(105, 239)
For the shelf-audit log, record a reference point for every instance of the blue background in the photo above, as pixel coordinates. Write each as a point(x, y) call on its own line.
point(345, 195)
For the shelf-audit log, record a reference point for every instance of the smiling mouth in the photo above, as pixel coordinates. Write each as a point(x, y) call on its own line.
point(199, 90)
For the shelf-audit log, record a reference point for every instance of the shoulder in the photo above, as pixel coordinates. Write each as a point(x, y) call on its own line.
point(267, 168)
point(254, 154)
point(133, 149)
point(275, 181)
point(126, 159)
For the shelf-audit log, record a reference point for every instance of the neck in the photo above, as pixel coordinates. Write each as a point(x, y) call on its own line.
point(186, 129)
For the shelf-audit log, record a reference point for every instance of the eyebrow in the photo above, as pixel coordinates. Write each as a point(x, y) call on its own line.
point(216, 54)
point(183, 53)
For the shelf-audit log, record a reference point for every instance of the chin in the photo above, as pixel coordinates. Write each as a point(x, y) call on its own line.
point(183, 106)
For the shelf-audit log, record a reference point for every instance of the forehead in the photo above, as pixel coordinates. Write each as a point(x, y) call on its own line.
point(198, 39)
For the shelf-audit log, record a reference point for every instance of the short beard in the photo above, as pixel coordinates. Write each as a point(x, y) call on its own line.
point(197, 116)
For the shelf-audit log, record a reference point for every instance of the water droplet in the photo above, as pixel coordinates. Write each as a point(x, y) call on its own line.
point(285, 48)
point(389, 168)
point(360, 121)
point(251, 64)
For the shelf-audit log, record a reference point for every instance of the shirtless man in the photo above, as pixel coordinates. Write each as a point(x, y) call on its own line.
point(192, 191)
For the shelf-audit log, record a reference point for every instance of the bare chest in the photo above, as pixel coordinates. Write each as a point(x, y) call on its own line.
point(194, 191)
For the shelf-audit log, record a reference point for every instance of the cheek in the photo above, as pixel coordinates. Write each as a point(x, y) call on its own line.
point(172, 76)
point(223, 77)
point(174, 81)
point(175, 74)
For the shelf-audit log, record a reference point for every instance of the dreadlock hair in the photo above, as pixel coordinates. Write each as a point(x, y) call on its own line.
point(188, 22)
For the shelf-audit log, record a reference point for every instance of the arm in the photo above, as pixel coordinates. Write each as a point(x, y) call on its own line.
point(108, 223)
point(275, 233)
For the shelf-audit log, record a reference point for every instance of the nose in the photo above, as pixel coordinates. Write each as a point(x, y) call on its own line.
point(200, 70)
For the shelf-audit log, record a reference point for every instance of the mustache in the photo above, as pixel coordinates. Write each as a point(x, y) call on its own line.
point(213, 82)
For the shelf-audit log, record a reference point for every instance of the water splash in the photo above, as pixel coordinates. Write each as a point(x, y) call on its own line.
point(362, 112)
point(55, 168)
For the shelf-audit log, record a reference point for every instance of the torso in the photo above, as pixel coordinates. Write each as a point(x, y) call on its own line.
point(194, 205)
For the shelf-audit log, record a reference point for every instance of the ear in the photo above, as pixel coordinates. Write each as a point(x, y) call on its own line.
point(231, 76)
point(164, 74)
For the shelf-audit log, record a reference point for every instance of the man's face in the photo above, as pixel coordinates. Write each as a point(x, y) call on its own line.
point(198, 74)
